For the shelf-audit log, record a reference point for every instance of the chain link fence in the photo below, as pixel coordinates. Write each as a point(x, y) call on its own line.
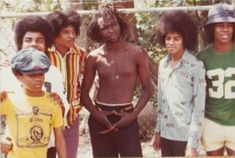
point(147, 118)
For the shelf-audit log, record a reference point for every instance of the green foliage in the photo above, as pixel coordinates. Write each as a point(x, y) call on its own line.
point(29, 5)
point(146, 25)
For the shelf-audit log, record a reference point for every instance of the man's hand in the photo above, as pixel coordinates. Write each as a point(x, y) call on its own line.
point(157, 142)
point(3, 96)
point(102, 117)
point(126, 118)
point(191, 152)
point(6, 145)
point(56, 98)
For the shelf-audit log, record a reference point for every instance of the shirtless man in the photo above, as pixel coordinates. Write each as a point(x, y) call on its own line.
point(119, 64)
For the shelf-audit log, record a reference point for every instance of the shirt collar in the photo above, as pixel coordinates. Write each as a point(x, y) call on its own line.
point(184, 60)
point(72, 50)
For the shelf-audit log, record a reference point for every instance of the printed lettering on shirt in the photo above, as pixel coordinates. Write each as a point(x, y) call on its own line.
point(33, 128)
point(220, 88)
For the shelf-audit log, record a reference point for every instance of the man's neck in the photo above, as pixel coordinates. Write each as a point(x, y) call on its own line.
point(62, 50)
point(112, 46)
point(175, 58)
point(223, 47)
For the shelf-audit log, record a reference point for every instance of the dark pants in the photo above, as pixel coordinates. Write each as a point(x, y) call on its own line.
point(51, 152)
point(172, 148)
point(124, 142)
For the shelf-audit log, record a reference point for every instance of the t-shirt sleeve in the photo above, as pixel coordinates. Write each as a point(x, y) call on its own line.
point(4, 107)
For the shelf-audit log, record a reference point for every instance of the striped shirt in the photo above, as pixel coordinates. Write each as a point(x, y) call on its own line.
point(181, 99)
point(72, 67)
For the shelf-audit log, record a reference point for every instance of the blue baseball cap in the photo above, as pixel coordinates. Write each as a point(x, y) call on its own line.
point(221, 12)
point(30, 61)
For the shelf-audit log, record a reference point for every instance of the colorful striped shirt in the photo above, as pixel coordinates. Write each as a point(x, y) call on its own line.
point(72, 66)
point(181, 99)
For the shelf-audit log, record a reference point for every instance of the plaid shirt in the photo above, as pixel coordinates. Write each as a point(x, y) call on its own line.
point(181, 99)
point(72, 67)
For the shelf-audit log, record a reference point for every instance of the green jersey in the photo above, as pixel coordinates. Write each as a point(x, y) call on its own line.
point(220, 76)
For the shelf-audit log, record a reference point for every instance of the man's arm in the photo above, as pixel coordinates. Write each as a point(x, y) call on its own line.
point(5, 142)
point(90, 71)
point(6, 145)
point(199, 93)
point(3, 96)
point(58, 87)
point(60, 142)
point(145, 80)
point(58, 91)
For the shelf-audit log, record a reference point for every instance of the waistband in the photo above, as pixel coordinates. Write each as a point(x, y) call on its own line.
point(118, 108)
point(109, 104)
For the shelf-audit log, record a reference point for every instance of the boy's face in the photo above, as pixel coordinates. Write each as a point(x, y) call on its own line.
point(66, 37)
point(223, 32)
point(32, 83)
point(174, 43)
point(109, 29)
point(35, 40)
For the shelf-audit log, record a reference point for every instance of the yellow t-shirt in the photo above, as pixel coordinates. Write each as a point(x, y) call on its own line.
point(30, 121)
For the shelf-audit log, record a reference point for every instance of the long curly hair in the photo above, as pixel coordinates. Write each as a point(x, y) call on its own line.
point(105, 11)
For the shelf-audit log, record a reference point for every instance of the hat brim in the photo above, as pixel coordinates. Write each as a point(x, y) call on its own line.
point(221, 19)
point(41, 71)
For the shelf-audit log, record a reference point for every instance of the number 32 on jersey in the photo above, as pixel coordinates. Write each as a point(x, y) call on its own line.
point(221, 89)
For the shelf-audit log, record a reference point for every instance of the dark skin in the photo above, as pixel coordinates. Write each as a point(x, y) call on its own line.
point(6, 146)
point(118, 64)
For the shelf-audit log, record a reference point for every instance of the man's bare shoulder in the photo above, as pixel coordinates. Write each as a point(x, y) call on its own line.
point(95, 53)
point(136, 50)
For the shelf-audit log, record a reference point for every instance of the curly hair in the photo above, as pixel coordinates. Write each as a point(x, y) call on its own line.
point(106, 10)
point(60, 20)
point(181, 23)
point(208, 33)
point(32, 24)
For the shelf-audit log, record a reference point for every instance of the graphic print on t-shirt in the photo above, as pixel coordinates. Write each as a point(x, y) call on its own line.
point(33, 128)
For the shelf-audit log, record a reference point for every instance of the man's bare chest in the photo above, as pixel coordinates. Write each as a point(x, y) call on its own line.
point(114, 67)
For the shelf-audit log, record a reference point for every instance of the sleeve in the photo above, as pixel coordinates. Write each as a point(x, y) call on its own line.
point(3, 107)
point(199, 94)
point(57, 119)
point(82, 59)
point(58, 87)
point(159, 97)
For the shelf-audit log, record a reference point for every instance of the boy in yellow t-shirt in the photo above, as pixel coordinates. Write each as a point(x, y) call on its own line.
point(31, 114)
